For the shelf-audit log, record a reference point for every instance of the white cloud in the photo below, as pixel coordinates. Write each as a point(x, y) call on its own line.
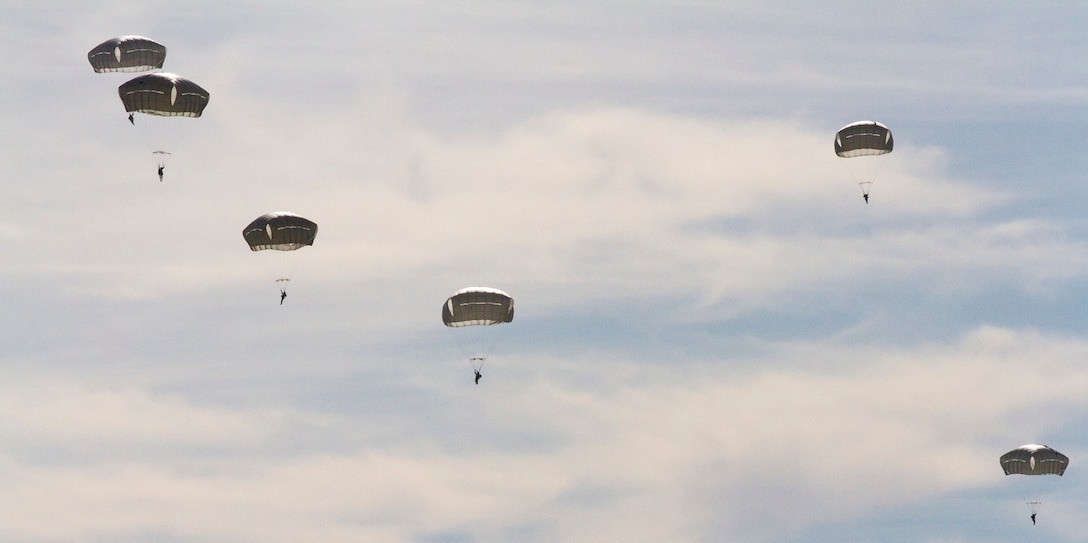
point(655, 455)
point(815, 362)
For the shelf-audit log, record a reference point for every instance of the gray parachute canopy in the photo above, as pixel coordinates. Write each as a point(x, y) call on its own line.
point(478, 306)
point(864, 138)
point(280, 231)
point(165, 94)
point(1034, 460)
point(127, 54)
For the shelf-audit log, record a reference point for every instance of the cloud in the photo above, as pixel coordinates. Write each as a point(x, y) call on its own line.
point(733, 215)
point(616, 180)
point(652, 454)
point(716, 338)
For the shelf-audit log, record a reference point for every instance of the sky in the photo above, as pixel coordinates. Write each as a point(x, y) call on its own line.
point(715, 337)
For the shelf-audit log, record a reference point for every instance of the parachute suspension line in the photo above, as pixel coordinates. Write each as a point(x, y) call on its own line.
point(155, 135)
point(472, 344)
point(161, 158)
point(473, 360)
point(865, 170)
point(490, 347)
point(284, 265)
point(1030, 500)
point(282, 283)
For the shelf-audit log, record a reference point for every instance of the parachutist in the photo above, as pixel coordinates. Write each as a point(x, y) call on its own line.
point(161, 168)
point(131, 120)
point(1034, 460)
point(859, 143)
point(478, 306)
point(280, 231)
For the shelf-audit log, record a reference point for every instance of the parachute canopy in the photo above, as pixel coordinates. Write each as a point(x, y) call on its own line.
point(280, 231)
point(127, 54)
point(475, 306)
point(864, 138)
point(164, 94)
point(1034, 460)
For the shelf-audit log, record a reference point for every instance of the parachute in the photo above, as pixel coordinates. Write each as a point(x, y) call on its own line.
point(475, 306)
point(280, 231)
point(163, 94)
point(473, 311)
point(1034, 459)
point(864, 142)
point(127, 54)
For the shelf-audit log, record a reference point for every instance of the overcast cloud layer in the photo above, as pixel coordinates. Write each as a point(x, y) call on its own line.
point(715, 339)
